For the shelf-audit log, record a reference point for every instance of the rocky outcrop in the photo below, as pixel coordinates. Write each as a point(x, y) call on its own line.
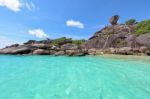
point(118, 39)
point(144, 40)
point(41, 52)
point(37, 48)
point(112, 37)
point(114, 19)
point(16, 50)
point(59, 53)
point(14, 45)
point(69, 47)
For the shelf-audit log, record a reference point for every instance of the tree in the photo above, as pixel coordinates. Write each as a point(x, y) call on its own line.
point(143, 27)
point(130, 22)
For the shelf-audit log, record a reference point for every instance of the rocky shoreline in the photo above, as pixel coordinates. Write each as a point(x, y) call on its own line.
point(113, 39)
point(44, 49)
point(32, 50)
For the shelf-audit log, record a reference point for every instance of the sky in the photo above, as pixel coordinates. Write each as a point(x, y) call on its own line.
point(22, 20)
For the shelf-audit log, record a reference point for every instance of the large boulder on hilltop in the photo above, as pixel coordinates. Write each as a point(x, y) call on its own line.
point(114, 19)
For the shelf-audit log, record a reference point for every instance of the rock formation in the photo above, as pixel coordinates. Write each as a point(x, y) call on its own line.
point(113, 39)
point(114, 19)
point(33, 47)
point(119, 39)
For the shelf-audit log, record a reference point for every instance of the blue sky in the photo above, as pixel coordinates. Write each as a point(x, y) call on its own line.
point(21, 20)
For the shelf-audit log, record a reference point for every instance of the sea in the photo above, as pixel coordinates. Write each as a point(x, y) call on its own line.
point(64, 77)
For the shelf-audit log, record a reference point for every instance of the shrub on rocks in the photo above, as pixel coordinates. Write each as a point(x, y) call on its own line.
point(143, 27)
point(130, 22)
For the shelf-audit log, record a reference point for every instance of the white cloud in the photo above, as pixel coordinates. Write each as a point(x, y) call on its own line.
point(38, 33)
point(72, 23)
point(16, 5)
point(29, 5)
point(13, 5)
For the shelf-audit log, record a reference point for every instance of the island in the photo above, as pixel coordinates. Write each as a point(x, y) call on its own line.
point(129, 38)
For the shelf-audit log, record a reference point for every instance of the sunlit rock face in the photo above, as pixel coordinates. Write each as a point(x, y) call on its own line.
point(113, 37)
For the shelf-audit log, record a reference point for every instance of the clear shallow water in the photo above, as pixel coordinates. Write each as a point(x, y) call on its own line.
point(91, 77)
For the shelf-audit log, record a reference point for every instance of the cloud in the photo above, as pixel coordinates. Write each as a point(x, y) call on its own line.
point(13, 5)
point(29, 5)
point(16, 5)
point(77, 24)
point(39, 33)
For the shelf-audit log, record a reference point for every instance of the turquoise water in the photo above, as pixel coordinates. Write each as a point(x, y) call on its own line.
point(90, 77)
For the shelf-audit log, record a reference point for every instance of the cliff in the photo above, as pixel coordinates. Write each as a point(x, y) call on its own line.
point(120, 39)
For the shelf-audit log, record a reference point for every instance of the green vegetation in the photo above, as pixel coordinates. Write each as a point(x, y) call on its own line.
point(78, 42)
point(64, 40)
point(143, 27)
point(56, 42)
point(130, 22)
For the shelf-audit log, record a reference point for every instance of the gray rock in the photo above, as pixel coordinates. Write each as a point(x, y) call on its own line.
point(112, 37)
point(114, 19)
point(16, 50)
point(92, 51)
point(41, 52)
point(40, 46)
point(147, 52)
point(14, 45)
point(143, 49)
point(75, 53)
point(60, 53)
point(143, 40)
point(125, 51)
point(69, 47)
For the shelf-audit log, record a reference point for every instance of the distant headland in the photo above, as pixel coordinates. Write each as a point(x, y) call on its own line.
point(130, 38)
